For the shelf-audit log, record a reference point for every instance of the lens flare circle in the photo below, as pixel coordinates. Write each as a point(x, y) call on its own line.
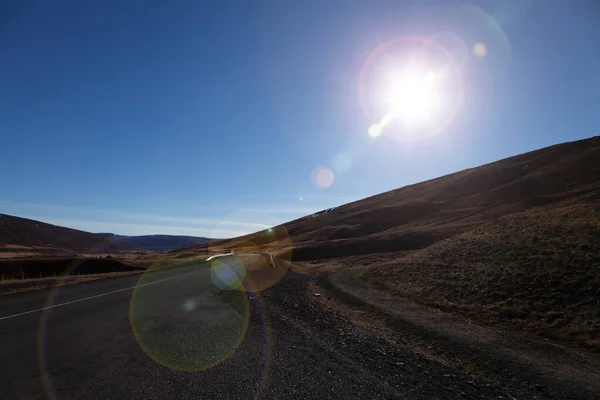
point(267, 235)
point(454, 44)
point(322, 177)
point(375, 130)
point(189, 305)
point(479, 49)
point(342, 162)
point(216, 319)
point(226, 333)
point(227, 273)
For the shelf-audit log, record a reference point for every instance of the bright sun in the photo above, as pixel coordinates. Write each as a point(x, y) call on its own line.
point(410, 88)
point(413, 96)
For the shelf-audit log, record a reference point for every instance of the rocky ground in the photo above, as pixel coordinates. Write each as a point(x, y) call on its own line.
point(389, 363)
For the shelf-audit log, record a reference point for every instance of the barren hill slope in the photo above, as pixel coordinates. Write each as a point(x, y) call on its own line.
point(22, 235)
point(537, 270)
point(416, 216)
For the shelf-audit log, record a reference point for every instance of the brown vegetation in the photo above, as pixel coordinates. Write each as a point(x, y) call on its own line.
point(22, 235)
point(536, 271)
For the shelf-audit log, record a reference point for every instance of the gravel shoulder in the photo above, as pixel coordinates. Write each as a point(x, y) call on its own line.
point(541, 368)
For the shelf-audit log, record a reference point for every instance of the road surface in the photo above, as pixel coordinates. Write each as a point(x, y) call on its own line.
point(176, 335)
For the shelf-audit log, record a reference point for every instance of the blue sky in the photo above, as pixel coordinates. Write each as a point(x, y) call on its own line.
point(210, 118)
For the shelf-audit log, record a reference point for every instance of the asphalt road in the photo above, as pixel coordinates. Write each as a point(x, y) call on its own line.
point(177, 335)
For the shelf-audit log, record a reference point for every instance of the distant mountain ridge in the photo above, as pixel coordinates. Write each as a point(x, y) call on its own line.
point(26, 237)
point(157, 243)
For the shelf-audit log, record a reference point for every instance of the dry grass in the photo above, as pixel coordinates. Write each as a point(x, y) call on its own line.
point(332, 265)
point(537, 271)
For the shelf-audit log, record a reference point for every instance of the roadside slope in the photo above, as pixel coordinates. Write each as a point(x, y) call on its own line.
point(417, 216)
point(536, 271)
point(27, 237)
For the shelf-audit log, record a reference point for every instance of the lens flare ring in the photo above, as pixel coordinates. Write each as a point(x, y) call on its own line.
point(258, 313)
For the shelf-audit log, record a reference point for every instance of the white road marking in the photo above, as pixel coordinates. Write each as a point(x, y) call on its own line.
point(219, 255)
point(243, 254)
point(98, 295)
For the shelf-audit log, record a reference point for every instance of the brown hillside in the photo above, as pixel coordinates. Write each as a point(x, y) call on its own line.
point(537, 270)
point(21, 235)
point(419, 215)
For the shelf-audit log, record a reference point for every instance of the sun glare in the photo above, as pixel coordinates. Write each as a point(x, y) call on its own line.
point(412, 96)
point(410, 88)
